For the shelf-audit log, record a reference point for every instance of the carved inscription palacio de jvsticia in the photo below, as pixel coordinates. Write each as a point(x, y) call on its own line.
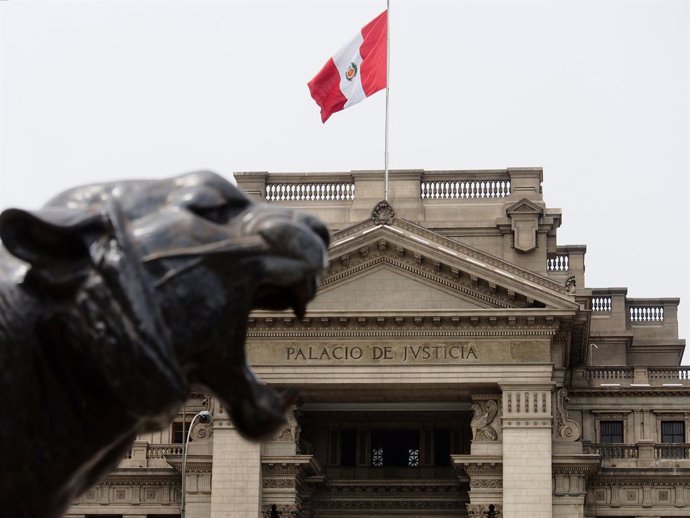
point(403, 352)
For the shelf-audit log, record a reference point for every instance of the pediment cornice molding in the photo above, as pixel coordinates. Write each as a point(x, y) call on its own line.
point(524, 206)
point(441, 258)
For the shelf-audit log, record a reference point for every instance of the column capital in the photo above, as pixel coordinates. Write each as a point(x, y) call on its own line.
point(527, 407)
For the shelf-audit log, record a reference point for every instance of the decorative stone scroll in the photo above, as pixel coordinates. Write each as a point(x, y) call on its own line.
point(201, 432)
point(383, 213)
point(484, 414)
point(567, 429)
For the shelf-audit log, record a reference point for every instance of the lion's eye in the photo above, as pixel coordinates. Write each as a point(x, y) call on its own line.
point(213, 214)
point(220, 214)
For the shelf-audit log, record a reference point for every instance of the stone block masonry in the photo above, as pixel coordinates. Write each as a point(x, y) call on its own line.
point(236, 476)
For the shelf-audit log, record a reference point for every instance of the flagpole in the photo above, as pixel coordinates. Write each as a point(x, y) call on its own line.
point(388, 61)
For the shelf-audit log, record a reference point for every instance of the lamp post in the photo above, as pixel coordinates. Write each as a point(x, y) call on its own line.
point(204, 417)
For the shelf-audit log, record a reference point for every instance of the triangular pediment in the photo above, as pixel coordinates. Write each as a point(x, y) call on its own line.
point(524, 206)
point(430, 271)
point(386, 287)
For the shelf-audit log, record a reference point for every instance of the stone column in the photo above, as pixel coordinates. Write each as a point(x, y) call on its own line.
point(527, 430)
point(236, 472)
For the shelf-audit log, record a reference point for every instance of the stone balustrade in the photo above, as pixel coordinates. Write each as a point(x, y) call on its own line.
point(644, 454)
point(160, 451)
point(640, 377)
point(669, 373)
point(310, 191)
point(603, 374)
point(672, 451)
point(646, 313)
point(143, 454)
point(557, 263)
point(613, 450)
point(602, 304)
point(465, 189)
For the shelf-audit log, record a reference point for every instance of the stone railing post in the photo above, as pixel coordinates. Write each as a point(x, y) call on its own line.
point(645, 454)
point(526, 182)
point(139, 454)
point(640, 376)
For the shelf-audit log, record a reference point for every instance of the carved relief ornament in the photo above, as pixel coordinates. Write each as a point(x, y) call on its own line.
point(484, 414)
point(383, 213)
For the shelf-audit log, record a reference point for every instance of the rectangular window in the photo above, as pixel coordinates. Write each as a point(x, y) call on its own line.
point(348, 447)
point(396, 448)
point(611, 432)
point(177, 432)
point(672, 432)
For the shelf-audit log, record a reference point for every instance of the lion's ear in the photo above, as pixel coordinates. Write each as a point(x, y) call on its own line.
point(52, 240)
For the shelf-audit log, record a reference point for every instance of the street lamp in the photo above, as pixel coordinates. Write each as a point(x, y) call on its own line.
point(204, 417)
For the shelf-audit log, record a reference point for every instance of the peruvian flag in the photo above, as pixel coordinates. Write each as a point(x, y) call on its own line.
point(357, 71)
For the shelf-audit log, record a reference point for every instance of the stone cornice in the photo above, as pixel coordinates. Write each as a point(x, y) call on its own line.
point(640, 476)
point(141, 476)
point(195, 463)
point(290, 465)
point(466, 323)
point(478, 465)
point(579, 464)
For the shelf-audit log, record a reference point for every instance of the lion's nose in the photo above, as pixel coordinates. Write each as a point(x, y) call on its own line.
point(317, 226)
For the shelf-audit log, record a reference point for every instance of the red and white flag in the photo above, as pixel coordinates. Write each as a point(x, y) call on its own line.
point(357, 71)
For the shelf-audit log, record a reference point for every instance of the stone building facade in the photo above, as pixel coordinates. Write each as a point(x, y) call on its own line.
point(454, 363)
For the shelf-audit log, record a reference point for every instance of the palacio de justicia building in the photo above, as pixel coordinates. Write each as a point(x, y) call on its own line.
point(455, 363)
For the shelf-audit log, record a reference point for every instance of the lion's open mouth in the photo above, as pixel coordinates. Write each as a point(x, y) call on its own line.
point(294, 296)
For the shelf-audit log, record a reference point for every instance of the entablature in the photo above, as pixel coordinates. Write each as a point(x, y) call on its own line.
point(468, 323)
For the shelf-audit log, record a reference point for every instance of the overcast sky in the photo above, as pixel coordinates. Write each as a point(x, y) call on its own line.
point(596, 93)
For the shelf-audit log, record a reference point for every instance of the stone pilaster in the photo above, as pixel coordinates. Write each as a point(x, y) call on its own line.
point(236, 475)
point(527, 430)
point(283, 483)
point(485, 478)
point(284, 471)
point(570, 474)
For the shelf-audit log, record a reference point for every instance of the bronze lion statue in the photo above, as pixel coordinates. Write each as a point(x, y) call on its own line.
point(114, 299)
